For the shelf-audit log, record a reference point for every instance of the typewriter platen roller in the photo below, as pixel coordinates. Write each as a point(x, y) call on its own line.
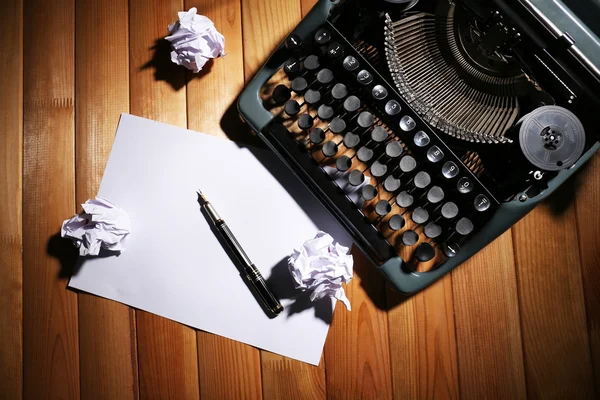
point(428, 128)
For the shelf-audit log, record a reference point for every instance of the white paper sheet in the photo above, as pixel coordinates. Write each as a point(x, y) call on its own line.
point(175, 267)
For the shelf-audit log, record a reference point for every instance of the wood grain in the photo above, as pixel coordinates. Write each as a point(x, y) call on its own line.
point(228, 369)
point(488, 330)
point(102, 93)
point(423, 343)
point(11, 195)
point(50, 319)
point(167, 352)
point(553, 319)
point(588, 223)
point(357, 351)
point(284, 378)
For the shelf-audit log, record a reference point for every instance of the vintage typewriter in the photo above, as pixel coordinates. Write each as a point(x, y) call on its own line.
point(428, 128)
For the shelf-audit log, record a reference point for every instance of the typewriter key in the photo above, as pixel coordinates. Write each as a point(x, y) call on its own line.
point(364, 77)
point(432, 230)
point(450, 249)
point(324, 76)
point(337, 125)
point(305, 122)
point(481, 203)
point(378, 169)
point(351, 104)
point(365, 119)
point(449, 210)
point(299, 84)
point(379, 92)
point(325, 112)
point(422, 179)
point(335, 50)
point(339, 91)
point(281, 94)
point(350, 63)
point(392, 107)
point(382, 208)
point(435, 195)
point(291, 66)
point(464, 226)
point(391, 184)
point(408, 164)
point(420, 215)
point(393, 149)
point(316, 135)
point(291, 107)
point(407, 123)
point(343, 163)
point(396, 222)
point(322, 37)
point(351, 140)
point(424, 252)
point(434, 154)
point(421, 139)
point(410, 238)
point(329, 149)
point(450, 170)
point(464, 185)
point(364, 154)
point(312, 97)
point(369, 192)
point(379, 134)
point(356, 178)
point(404, 199)
point(311, 62)
point(293, 42)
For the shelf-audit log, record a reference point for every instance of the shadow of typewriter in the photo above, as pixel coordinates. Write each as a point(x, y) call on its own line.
point(165, 70)
point(559, 201)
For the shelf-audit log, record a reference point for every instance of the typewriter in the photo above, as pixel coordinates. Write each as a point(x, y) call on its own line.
point(428, 128)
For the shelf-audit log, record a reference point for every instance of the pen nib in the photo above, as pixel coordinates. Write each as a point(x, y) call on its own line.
point(201, 198)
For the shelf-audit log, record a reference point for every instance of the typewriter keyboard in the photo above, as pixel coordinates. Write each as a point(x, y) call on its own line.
point(366, 153)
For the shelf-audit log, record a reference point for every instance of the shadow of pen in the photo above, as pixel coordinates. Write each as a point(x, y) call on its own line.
point(239, 264)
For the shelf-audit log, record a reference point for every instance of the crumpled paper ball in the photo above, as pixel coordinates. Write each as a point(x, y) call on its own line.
point(101, 225)
point(194, 40)
point(322, 266)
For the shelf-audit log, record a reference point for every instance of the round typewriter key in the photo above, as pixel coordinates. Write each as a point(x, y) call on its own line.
point(393, 149)
point(351, 104)
point(378, 169)
point(481, 203)
point(325, 112)
point(311, 62)
point(369, 192)
point(449, 210)
point(335, 50)
point(312, 97)
point(337, 125)
point(404, 200)
point(356, 178)
point(291, 107)
point(392, 107)
point(396, 222)
point(325, 76)
point(281, 94)
point(351, 140)
point(291, 66)
point(293, 42)
point(391, 184)
point(382, 208)
point(464, 226)
point(435, 195)
point(316, 135)
point(450, 249)
point(364, 154)
point(379, 92)
point(424, 252)
point(343, 163)
point(379, 134)
point(432, 230)
point(464, 185)
point(435, 154)
point(365, 119)
point(364, 77)
point(329, 149)
point(305, 121)
point(450, 170)
point(350, 63)
point(339, 91)
point(322, 37)
point(422, 179)
point(420, 215)
point(299, 84)
point(421, 139)
point(410, 238)
point(407, 123)
point(408, 163)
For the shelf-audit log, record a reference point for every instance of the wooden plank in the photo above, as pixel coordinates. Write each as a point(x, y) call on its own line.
point(588, 218)
point(423, 343)
point(50, 339)
point(167, 352)
point(488, 328)
point(553, 318)
point(228, 369)
point(107, 356)
point(357, 351)
point(11, 194)
point(265, 25)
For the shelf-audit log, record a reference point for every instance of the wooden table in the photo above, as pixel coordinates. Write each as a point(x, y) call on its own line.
point(521, 319)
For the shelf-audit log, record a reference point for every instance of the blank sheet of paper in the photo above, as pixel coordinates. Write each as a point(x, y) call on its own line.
point(174, 266)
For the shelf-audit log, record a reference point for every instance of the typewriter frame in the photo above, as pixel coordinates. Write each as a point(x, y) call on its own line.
point(394, 269)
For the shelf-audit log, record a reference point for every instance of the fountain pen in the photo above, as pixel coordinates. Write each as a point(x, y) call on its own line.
point(249, 272)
